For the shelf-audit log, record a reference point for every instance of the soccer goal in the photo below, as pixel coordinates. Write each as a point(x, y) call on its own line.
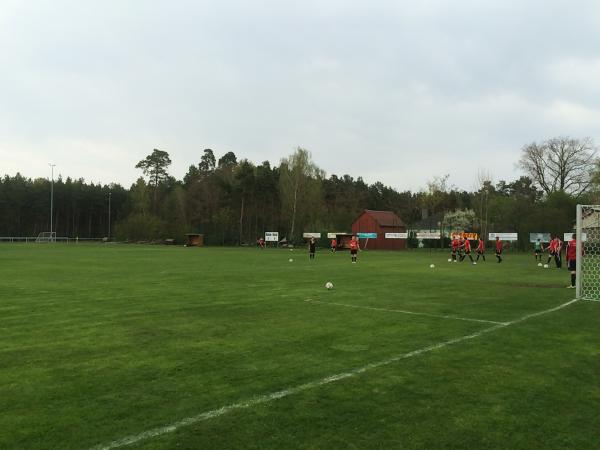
point(588, 240)
point(46, 236)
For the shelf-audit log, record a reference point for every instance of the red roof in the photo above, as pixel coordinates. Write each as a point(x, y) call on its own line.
point(385, 218)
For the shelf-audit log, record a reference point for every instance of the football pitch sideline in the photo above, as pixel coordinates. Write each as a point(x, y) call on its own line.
point(151, 347)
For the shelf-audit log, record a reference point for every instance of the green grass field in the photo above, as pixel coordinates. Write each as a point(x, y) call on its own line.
point(164, 347)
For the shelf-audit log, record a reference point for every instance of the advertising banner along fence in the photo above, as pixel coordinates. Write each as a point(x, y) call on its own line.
point(543, 237)
point(428, 235)
point(504, 236)
point(396, 235)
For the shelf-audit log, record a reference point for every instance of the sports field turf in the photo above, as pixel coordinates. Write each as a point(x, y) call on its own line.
point(170, 347)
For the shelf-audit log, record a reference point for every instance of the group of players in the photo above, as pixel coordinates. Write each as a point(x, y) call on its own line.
point(555, 252)
point(461, 248)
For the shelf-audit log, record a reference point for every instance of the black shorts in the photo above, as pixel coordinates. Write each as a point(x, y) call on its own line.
point(480, 252)
point(572, 265)
point(537, 251)
point(498, 252)
point(353, 252)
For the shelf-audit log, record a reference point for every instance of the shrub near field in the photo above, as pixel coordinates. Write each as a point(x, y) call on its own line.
point(103, 343)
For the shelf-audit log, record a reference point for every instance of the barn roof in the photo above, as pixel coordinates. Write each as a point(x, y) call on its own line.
point(385, 218)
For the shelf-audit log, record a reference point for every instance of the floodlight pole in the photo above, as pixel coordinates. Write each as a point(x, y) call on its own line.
point(109, 195)
point(51, 199)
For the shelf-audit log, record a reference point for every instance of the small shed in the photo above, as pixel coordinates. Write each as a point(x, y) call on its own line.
point(380, 222)
point(194, 240)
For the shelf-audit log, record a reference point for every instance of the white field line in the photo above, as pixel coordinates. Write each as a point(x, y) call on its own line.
point(402, 311)
point(265, 398)
point(590, 300)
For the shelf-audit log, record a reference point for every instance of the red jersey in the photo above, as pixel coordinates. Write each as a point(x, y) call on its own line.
point(467, 245)
point(481, 246)
point(333, 243)
point(455, 244)
point(353, 245)
point(572, 250)
point(553, 245)
point(498, 245)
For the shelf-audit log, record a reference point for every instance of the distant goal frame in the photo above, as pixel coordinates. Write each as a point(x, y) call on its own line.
point(46, 236)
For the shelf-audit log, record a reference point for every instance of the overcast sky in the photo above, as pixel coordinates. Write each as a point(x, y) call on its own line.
point(395, 91)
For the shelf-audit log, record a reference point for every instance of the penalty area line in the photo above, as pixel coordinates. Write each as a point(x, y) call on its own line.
point(402, 311)
point(265, 398)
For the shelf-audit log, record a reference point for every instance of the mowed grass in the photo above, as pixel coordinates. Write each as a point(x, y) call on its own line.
point(100, 343)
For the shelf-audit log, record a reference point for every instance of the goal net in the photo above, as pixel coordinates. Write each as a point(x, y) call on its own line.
point(46, 236)
point(588, 240)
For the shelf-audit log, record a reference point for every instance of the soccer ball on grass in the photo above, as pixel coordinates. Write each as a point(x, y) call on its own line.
point(545, 266)
point(540, 264)
point(432, 266)
point(329, 285)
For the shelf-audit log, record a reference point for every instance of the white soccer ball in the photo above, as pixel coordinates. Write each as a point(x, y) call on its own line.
point(291, 249)
point(454, 260)
point(432, 266)
point(291, 260)
point(329, 285)
point(540, 264)
point(545, 266)
point(449, 259)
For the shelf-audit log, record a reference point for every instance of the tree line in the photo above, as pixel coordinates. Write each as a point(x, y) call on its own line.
point(233, 202)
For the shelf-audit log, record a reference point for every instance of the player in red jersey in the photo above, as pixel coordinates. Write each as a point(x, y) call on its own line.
point(467, 248)
point(572, 259)
point(261, 243)
point(480, 249)
point(333, 245)
point(354, 248)
point(558, 253)
point(455, 247)
point(551, 249)
point(554, 250)
point(498, 249)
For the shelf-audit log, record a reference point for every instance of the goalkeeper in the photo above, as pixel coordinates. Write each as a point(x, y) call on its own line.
point(572, 259)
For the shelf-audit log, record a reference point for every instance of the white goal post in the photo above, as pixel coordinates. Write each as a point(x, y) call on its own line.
point(588, 243)
point(46, 236)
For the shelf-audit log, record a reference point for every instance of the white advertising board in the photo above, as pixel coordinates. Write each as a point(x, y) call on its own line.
point(543, 237)
point(504, 236)
point(272, 236)
point(333, 235)
point(311, 235)
point(396, 235)
point(568, 236)
point(428, 235)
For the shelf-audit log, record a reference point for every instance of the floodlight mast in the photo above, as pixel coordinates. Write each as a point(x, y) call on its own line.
point(51, 198)
point(109, 195)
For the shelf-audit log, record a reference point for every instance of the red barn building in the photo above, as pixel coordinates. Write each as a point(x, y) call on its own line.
point(380, 222)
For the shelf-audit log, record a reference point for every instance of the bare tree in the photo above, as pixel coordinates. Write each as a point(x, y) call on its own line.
point(299, 185)
point(560, 164)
